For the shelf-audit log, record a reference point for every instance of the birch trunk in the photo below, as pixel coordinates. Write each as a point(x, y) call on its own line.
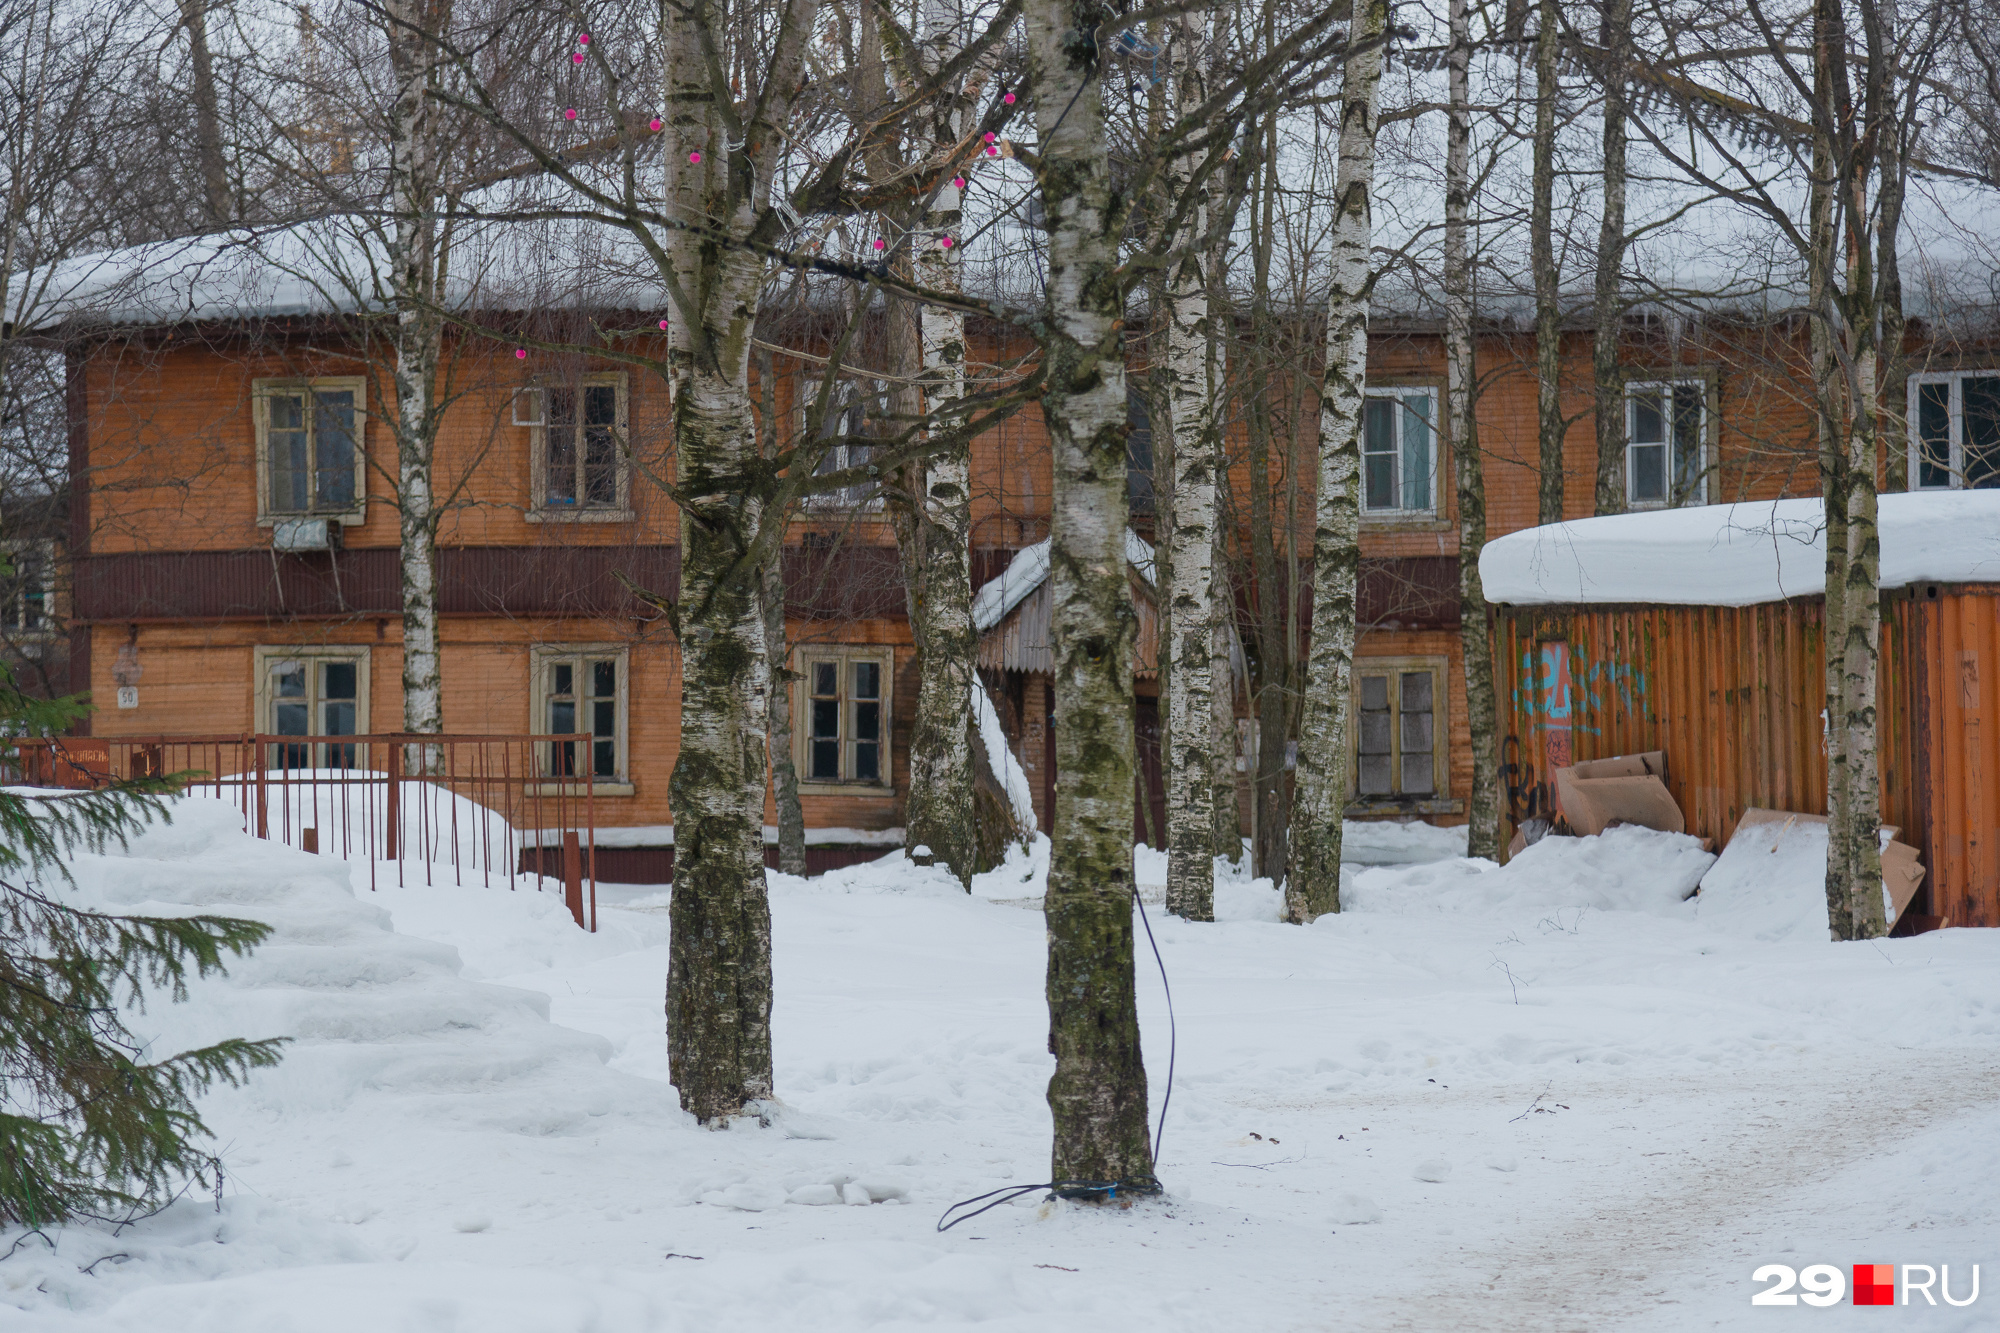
point(1608, 307)
point(939, 811)
point(778, 723)
point(1483, 804)
point(1227, 810)
point(1860, 662)
point(414, 263)
point(1542, 256)
point(719, 965)
point(1098, 1093)
point(1828, 411)
point(1190, 539)
point(207, 115)
point(1319, 802)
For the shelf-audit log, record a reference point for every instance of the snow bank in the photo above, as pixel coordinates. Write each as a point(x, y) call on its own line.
point(1624, 870)
point(1381, 843)
point(1737, 554)
point(1027, 571)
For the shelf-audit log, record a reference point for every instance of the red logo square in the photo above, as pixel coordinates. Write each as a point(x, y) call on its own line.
point(1874, 1284)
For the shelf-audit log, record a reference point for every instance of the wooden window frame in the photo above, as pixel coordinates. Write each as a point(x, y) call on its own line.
point(1439, 799)
point(1400, 516)
point(539, 508)
point(541, 657)
point(262, 391)
point(1955, 427)
point(264, 660)
point(845, 655)
point(1639, 382)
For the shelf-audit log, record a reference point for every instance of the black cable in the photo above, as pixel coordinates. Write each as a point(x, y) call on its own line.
point(1078, 1189)
point(1172, 1034)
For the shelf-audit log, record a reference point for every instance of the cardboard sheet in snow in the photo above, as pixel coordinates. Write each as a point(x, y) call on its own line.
point(1770, 881)
point(1737, 554)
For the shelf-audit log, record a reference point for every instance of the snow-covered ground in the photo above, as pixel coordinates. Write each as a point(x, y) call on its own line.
point(1553, 1096)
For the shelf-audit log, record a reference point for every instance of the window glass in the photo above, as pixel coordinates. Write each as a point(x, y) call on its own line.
point(583, 698)
point(1982, 430)
point(1934, 433)
point(846, 722)
point(290, 464)
point(850, 414)
point(867, 721)
point(1376, 750)
point(580, 447)
point(315, 696)
point(1414, 719)
point(560, 435)
point(1416, 451)
point(1378, 454)
point(1396, 730)
point(333, 449)
point(1687, 441)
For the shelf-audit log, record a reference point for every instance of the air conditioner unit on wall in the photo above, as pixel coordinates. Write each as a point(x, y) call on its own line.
point(302, 534)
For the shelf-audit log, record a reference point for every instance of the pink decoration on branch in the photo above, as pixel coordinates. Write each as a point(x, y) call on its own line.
point(576, 59)
point(992, 152)
point(945, 242)
point(881, 244)
point(569, 113)
point(958, 182)
point(663, 323)
point(1008, 99)
point(654, 124)
point(520, 354)
point(695, 158)
point(991, 136)
point(583, 39)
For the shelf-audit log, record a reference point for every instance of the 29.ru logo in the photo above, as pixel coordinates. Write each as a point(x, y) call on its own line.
point(1874, 1284)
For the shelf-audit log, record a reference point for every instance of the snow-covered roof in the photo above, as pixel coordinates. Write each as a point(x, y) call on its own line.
point(1027, 571)
point(1737, 554)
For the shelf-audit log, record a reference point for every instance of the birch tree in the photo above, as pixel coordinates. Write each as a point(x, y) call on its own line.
point(1607, 305)
point(1549, 425)
point(1312, 879)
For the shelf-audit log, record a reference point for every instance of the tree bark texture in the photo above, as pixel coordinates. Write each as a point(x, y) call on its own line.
point(778, 721)
point(1608, 306)
point(939, 811)
point(719, 965)
point(1098, 1093)
point(1542, 258)
point(415, 260)
point(1319, 802)
point(1483, 803)
point(216, 193)
point(1189, 372)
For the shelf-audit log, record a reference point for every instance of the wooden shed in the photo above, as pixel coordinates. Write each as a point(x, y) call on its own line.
point(1699, 632)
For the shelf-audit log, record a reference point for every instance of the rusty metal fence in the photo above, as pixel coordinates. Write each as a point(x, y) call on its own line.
point(446, 809)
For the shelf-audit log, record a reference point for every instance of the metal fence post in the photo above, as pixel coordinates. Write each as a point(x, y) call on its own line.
point(392, 832)
point(572, 853)
point(263, 794)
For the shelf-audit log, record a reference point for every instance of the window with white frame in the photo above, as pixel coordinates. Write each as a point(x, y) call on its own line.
point(844, 701)
point(846, 430)
point(315, 691)
point(1665, 442)
point(578, 436)
point(1399, 453)
point(1399, 733)
point(580, 689)
point(1955, 430)
point(310, 448)
point(27, 594)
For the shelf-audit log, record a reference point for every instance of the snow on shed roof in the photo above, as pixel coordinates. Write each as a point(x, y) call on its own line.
point(1737, 554)
point(1027, 571)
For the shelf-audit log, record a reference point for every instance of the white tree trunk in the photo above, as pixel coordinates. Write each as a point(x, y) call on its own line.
point(1312, 878)
point(1190, 540)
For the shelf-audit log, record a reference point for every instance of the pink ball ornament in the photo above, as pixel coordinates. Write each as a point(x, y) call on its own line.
point(695, 158)
point(881, 244)
point(654, 124)
point(576, 59)
point(991, 136)
point(520, 354)
point(1008, 99)
point(958, 182)
point(569, 113)
point(583, 39)
point(663, 323)
point(944, 242)
point(992, 152)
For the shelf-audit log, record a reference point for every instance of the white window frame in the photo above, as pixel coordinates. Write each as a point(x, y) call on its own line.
point(262, 391)
point(853, 395)
point(844, 655)
point(25, 638)
point(266, 659)
point(541, 658)
point(1438, 668)
point(1401, 393)
point(1666, 387)
point(530, 410)
point(1955, 464)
